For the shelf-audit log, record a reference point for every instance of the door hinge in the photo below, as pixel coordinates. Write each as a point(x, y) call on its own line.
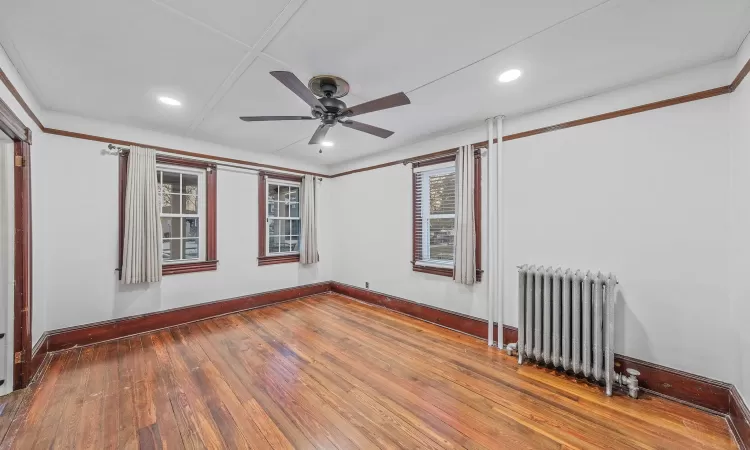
point(17, 358)
point(19, 161)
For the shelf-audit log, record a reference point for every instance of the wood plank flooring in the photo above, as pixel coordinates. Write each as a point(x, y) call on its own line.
point(329, 372)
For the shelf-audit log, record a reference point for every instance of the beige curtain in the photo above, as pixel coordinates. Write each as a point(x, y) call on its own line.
point(465, 262)
point(141, 262)
point(309, 247)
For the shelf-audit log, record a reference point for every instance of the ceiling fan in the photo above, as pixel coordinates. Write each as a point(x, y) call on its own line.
point(328, 108)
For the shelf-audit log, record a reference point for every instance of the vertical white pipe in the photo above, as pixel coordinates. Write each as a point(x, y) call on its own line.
point(488, 274)
point(499, 244)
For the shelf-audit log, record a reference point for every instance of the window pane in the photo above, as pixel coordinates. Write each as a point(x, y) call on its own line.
point(286, 227)
point(295, 226)
point(285, 210)
point(191, 227)
point(189, 184)
point(283, 193)
point(294, 210)
point(170, 227)
point(189, 204)
point(293, 243)
point(443, 194)
point(274, 227)
point(273, 244)
point(442, 237)
point(170, 249)
point(170, 203)
point(190, 249)
point(273, 192)
point(170, 182)
point(273, 209)
point(294, 194)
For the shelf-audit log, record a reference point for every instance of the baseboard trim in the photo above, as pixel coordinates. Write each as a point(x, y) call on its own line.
point(693, 390)
point(65, 338)
point(739, 418)
point(703, 393)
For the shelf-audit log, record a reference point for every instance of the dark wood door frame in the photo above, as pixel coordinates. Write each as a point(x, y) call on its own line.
point(12, 126)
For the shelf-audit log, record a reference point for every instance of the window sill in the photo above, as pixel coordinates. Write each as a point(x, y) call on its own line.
point(278, 259)
point(199, 266)
point(441, 271)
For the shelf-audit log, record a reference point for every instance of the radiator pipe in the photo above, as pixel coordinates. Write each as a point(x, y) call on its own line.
point(490, 273)
point(498, 231)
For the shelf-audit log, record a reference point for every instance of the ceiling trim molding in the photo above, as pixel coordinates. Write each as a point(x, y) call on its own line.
point(728, 89)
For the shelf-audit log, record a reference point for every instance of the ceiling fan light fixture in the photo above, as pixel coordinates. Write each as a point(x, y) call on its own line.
point(509, 75)
point(169, 101)
point(327, 144)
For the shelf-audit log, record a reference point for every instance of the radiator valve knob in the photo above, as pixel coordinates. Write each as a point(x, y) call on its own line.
point(630, 381)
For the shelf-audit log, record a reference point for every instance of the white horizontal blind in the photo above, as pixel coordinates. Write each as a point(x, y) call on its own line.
point(435, 215)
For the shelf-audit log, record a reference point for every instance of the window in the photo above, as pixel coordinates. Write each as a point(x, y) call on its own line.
point(279, 218)
point(434, 197)
point(183, 210)
point(187, 205)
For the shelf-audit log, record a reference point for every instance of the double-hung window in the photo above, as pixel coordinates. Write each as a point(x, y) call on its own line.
point(186, 193)
point(279, 218)
point(434, 215)
point(437, 204)
point(183, 212)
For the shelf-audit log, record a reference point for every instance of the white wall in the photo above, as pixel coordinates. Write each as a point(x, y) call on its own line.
point(644, 196)
point(76, 218)
point(740, 221)
point(75, 229)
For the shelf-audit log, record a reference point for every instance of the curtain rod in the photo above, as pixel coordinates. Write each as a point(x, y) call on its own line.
point(120, 150)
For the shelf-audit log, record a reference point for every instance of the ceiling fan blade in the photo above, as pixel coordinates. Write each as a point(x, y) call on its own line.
point(267, 118)
point(320, 134)
point(291, 81)
point(359, 126)
point(390, 101)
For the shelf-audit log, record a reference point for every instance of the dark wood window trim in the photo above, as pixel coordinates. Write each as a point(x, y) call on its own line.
point(263, 258)
point(211, 261)
point(445, 271)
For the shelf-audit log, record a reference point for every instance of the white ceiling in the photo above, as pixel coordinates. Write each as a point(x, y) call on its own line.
point(110, 59)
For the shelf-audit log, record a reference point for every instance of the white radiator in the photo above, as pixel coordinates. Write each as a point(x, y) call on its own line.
point(566, 319)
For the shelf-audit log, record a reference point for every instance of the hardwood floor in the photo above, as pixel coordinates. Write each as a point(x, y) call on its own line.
point(330, 372)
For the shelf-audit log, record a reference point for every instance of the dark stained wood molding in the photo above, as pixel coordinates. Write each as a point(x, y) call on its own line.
point(211, 262)
point(683, 386)
point(261, 215)
point(704, 393)
point(740, 76)
point(65, 338)
point(22, 270)
point(445, 157)
point(184, 162)
point(449, 319)
point(12, 126)
point(189, 267)
point(623, 112)
point(278, 259)
point(739, 418)
point(574, 123)
point(14, 92)
point(211, 214)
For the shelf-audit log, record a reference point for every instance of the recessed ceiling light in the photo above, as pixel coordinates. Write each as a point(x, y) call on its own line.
point(509, 75)
point(170, 101)
point(327, 144)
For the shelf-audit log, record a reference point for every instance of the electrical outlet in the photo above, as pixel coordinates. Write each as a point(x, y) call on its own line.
point(367, 285)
